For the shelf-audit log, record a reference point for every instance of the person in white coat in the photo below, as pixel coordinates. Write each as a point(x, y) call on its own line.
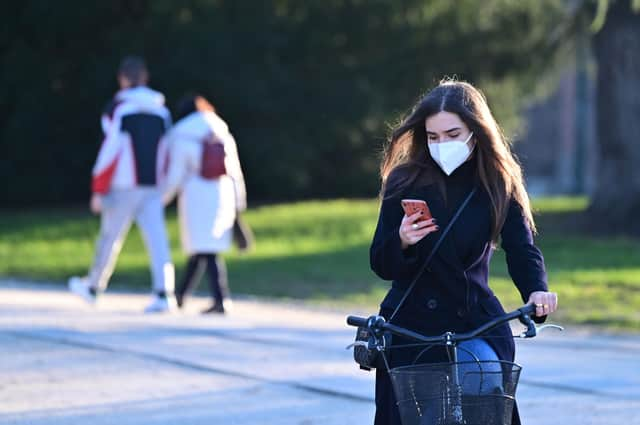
point(205, 170)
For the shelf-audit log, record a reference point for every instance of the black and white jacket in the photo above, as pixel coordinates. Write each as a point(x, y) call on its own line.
point(132, 152)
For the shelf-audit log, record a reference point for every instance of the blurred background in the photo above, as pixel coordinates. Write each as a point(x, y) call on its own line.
point(310, 90)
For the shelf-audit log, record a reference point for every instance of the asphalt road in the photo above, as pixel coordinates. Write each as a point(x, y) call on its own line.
point(62, 362)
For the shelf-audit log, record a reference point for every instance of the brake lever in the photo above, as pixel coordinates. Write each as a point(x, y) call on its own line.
point(381, 339)
point(356, 344)
point(378, 340)
point(532, 329)
point(550, 325)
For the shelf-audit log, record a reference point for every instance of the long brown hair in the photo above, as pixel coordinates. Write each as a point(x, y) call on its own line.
point(498, 170)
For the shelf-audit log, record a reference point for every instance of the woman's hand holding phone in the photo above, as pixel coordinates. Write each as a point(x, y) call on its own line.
point(414, 228)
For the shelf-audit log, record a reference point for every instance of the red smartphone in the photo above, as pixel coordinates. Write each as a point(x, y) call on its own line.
point(412, 206)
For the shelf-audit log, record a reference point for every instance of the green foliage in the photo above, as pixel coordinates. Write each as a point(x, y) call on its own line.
point(307, 87)
point(318, 251)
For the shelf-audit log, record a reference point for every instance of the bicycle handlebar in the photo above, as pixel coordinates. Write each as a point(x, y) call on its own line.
point(377, 324)
point(356, 321)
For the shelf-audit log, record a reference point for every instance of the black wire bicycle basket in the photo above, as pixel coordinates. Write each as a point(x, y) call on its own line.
point(462, 393)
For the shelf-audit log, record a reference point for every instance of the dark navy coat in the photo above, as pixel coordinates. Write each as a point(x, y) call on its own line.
point(453, 294)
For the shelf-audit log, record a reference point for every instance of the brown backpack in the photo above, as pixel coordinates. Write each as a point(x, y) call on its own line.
point(212, 165)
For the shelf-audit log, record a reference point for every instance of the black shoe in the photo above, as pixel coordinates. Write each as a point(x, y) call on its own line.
point(179, 300)
point(216, 308)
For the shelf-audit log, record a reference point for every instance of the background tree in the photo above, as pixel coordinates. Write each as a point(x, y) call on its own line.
point(308, 87)
point(616, 46)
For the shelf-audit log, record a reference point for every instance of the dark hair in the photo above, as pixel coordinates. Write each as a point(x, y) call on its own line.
point(498, 171)
point(191, 103)
point(134, 69)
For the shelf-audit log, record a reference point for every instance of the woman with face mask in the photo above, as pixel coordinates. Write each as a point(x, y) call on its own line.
point(447, 150)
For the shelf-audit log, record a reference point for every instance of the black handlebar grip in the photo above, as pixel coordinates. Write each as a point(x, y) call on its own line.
point(356, 321)
point(529, 309)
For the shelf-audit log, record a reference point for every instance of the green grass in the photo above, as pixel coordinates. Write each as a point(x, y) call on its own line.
point(318, 252)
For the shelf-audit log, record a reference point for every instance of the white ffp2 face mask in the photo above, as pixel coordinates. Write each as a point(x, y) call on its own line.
point(451, 154)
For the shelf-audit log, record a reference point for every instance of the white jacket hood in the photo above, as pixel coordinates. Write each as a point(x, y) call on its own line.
point(198, 124)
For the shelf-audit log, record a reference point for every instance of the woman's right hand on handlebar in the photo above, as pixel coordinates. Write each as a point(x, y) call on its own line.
point(413, 231)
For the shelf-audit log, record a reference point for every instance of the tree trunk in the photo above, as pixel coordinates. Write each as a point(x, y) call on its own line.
point(616, 204)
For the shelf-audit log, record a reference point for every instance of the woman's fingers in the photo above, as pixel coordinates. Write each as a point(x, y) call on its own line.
point(553, 301)
point(425, 229)
point(545, 302)
point(412, 218)
point(412, 231)
point(414, 236)
point(419, 225)
point(417, 228)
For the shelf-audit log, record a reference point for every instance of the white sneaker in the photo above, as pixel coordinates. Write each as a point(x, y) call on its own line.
point(80, 286)
point(161, 304)
point(227, 304)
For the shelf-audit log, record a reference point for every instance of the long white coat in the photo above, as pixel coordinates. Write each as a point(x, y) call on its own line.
point(206, 207)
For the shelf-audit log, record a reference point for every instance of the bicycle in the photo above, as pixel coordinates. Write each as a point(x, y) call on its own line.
point(453, 393)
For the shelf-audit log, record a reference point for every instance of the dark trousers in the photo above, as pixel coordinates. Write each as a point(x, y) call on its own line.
point(217, 272)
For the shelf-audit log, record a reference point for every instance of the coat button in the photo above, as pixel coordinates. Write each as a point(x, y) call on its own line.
point(461, 312)
point(432, 304)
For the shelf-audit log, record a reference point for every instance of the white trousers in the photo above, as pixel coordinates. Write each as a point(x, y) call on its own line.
point(119, 209)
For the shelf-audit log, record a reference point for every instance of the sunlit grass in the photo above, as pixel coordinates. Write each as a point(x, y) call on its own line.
point(318, 251)
point(560, 204)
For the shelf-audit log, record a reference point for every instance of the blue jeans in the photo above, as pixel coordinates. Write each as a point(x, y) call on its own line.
point(479, 378)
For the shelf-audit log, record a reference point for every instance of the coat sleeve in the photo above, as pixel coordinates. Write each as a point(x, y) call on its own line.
point(178, 165)
point(162, 162)
point(388, 260)
point(524, 260)
point(234, 170)
point(109, 153)
point(162, 156)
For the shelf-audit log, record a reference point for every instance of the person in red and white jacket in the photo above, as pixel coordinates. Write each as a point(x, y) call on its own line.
point(125, 185)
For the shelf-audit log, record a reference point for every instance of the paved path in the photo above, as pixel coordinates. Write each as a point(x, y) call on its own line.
point(62, 362)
